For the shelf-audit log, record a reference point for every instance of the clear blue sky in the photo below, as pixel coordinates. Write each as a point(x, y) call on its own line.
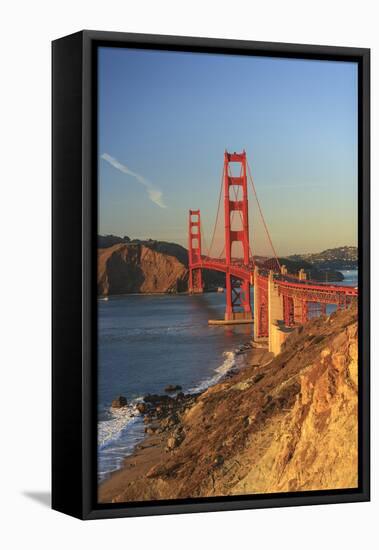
point(167, 118)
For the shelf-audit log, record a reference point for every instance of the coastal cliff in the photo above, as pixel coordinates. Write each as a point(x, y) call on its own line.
point(288, 423)
point(146, 267)
point(131, 268)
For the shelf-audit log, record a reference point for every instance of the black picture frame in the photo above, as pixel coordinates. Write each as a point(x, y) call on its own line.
point(74, 205)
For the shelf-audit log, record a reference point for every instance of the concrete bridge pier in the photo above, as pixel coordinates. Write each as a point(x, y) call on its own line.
point(260, 307)
point(277, 331)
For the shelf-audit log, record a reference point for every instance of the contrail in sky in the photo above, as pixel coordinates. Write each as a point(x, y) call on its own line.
point(155, 195)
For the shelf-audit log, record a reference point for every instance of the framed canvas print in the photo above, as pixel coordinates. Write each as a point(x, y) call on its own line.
point(210, 274)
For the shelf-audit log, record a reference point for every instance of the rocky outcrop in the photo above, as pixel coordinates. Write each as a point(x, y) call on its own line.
point(288, 425)
point(119, 402)
point(172, 387)
point(134, 268)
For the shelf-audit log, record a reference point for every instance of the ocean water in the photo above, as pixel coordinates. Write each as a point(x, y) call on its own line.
point(147, 342)
point(350, 277)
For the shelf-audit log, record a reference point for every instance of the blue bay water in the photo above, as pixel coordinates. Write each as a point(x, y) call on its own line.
point(350, 279)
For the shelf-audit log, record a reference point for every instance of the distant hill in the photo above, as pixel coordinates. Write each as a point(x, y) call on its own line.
point(313, 271)
point(173, 249)
point(132, 265)
point(343, 257)
point(106, 241)
point(135, 268)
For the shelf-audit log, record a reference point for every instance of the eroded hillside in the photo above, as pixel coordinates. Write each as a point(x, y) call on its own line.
point(130, 268)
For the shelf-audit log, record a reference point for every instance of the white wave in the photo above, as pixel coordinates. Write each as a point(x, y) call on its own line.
point(118, 434)
point(111, 428)
point(230, 363)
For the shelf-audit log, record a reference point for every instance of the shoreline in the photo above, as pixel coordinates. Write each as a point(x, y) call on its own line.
point(234, 361)
point(163, 427)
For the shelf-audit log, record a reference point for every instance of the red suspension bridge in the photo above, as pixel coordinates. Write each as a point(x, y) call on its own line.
point(281, 301)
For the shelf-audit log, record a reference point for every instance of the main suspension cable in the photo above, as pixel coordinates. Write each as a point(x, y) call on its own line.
point(262, 217)
point(218, 210)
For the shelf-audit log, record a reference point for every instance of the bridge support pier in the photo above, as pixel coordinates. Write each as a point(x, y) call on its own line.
point(237, 297)
point(260, 307)
point(195, 281)
point(278, 331)
point(300, 310)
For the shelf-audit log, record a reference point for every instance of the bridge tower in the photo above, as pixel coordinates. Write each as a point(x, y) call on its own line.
point(237, 291)
point(195, 282)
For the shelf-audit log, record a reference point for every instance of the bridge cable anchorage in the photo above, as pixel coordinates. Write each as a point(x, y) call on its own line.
point(262, 217)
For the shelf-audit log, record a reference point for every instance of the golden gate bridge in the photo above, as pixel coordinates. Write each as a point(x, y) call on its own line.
point(281, 300)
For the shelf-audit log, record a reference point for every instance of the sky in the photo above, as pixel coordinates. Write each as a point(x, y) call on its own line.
point(166, 118)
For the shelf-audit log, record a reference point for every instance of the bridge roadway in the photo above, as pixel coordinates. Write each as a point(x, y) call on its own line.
point(288, 286)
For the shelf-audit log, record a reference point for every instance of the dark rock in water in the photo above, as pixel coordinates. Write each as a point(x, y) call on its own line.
point(151, 398)
point(180, 395)
point(142, 408)
point(172, 388)
point(155, 399)
point(119, 402)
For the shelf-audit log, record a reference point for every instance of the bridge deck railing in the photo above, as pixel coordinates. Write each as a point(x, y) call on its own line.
point(287, 283)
